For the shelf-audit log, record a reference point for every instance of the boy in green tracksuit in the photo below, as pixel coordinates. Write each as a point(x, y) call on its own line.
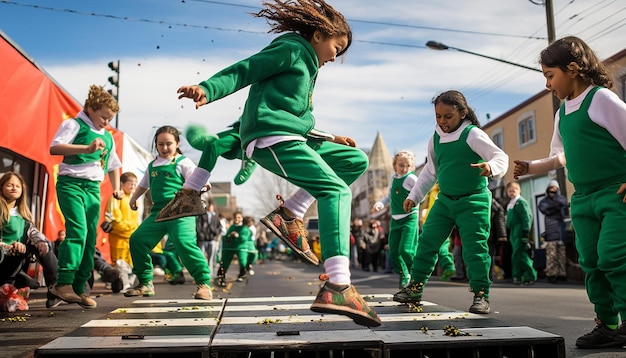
point(519, 220)
point(88, 152)
point(276, 122)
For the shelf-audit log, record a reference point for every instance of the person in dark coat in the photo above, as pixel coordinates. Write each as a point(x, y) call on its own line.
point(554, 208)
point(499, 246)
point(208, 231)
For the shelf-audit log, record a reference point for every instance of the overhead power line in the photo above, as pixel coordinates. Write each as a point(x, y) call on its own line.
point(160, 22)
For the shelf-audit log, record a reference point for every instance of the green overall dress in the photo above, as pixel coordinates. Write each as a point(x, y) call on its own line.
point(596, 165)
point(402, 238)
point(464, 201)
point(519, 220)
point(165, 181)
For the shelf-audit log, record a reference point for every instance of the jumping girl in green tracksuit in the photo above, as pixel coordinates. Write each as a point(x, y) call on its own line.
point(276, 122)
point(460, 157)
point(164, 177)
point(590, 131)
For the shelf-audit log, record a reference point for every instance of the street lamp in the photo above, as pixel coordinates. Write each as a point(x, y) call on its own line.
point(434, 45)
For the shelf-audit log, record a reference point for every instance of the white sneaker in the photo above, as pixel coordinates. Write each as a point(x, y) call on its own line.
point(158, 272)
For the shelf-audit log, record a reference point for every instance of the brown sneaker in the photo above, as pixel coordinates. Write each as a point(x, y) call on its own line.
point(333, 299)
point(204, 292)
point(145, 290)
point(185, 203)
point(66, 293)
point(291, 231)
point(87, 302)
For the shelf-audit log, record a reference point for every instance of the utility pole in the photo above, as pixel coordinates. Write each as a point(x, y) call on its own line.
point(556, 103)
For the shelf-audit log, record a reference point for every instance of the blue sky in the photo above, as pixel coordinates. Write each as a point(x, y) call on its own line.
point(384, 84)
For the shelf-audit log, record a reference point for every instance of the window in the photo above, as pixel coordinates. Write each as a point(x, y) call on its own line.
point(526, 129)
point(497, 138)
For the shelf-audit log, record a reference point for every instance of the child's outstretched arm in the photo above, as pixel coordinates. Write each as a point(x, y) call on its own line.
point(538, 166)
point(195, 92)
point(114, 177)
point(138, 193)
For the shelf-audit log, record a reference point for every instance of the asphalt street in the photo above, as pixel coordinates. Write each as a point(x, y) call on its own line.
point(561, 309)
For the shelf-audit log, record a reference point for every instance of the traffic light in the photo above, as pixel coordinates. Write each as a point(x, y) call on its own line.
point(115, 79)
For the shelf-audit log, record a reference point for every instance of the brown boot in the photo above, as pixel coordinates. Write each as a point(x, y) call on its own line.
point(87, 302)
point(185, 203)
point(66, 293)
point(204, 292)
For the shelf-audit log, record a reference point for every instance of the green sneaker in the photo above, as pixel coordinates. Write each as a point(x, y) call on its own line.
point(145, 290)
point(410, 294)
point(447, 275)
point(247, 167)
point(198, 137)
point(345, 301)
point(185, 203)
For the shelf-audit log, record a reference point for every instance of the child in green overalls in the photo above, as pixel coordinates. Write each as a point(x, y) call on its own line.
point(88, 152)
point(461, 157)
point(590, 131)
point(164, 177)
point(277, 121)
point(235, 242)
point(519, 220)
point(403, 226)
point(19, 238)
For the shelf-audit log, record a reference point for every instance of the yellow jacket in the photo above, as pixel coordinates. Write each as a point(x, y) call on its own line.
point(125, 221)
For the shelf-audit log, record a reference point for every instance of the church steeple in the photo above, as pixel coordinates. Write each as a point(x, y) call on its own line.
point(379, 156)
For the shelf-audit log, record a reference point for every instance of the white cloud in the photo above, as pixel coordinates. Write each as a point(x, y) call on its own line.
point(386, 88)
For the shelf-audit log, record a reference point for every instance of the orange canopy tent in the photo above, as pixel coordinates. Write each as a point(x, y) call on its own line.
point(32, 107)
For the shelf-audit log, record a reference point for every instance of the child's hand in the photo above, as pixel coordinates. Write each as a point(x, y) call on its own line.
point(408, 205)
point(378, 207)
point(345, 141)
point(195, 93)
point(18, 248)
point(95, 145)
point(486, 169)
point(118, 194)
point(622, 190)
point(521, 168)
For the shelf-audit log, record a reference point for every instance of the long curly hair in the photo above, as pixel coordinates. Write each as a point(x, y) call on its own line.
point(563, 52)
point(305, 17)
point(98, 97)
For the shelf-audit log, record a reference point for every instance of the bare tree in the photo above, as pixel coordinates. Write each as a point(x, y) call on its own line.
point(266, 186)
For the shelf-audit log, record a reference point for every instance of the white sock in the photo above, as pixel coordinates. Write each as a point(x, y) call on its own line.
point(338, 270)
point(197, 180)
point(299, 202)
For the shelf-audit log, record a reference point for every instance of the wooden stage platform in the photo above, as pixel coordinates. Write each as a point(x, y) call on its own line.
point(285, 327)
